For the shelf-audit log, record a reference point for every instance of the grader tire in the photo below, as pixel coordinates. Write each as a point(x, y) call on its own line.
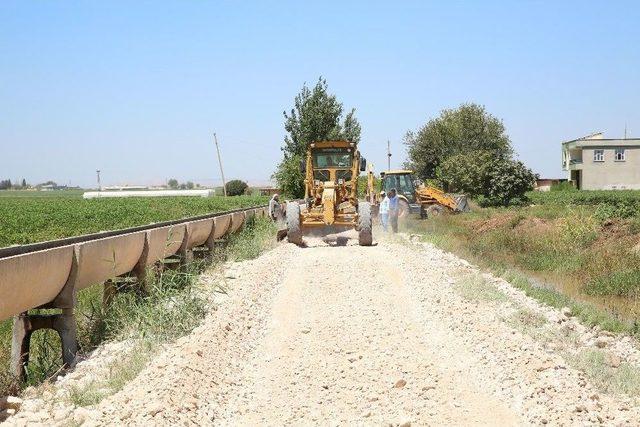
point(294, 233)
point(365, 236)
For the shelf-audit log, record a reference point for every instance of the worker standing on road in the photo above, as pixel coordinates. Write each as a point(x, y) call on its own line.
point(393, 209)
point(384, 210)
point(275, 209)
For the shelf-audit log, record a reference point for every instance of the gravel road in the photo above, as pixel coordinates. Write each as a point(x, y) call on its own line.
point(396, 334)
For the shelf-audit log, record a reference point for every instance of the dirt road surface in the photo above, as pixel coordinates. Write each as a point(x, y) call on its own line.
point(398, 333)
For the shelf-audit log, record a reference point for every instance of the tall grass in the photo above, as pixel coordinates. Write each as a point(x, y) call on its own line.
point(172, 308)
point(8, 384)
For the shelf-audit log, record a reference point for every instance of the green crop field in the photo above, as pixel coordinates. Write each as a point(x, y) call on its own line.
point(31, 216)
point(586, 197)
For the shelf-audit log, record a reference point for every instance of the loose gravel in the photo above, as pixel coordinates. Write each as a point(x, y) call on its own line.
point(400, 333)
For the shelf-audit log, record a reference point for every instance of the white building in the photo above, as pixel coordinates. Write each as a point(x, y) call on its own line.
point(594, 162)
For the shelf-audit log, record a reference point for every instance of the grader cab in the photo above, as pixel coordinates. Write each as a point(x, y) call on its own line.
point(331, 170)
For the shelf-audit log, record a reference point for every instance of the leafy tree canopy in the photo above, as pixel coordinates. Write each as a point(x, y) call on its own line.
point(467, 150)
point(462, 130)
point(316, 116)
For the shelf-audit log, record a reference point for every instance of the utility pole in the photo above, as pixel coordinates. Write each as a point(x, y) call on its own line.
point(224, 183)
point(99, 185)
point(625, 130)
point(388, 155)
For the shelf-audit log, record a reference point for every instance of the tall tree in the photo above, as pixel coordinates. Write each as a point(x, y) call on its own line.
point(456, 131)
point(351, 127)
point(468, 150)
point(316, 116)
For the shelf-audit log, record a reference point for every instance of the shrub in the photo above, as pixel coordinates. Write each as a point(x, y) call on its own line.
point(236, 187)
point(495, 181)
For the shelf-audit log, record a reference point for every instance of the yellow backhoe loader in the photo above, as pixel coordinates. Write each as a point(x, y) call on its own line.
point(421, 199)
point(331, 205)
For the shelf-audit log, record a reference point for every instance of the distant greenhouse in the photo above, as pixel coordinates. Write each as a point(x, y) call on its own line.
point(147, 193)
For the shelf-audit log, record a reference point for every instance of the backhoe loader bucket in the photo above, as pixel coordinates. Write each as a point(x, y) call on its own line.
point(461, 203)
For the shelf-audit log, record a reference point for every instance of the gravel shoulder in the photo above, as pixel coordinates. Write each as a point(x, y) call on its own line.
point(399, 333)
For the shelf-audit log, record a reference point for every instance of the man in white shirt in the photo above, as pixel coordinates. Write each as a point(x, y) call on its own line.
point(384, 210)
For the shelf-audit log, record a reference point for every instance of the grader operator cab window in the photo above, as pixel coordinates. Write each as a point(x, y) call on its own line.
point(344, 175)
point(321, 175)
point(333, 158)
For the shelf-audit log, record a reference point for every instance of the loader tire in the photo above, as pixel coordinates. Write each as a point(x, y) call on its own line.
point(294, 233)
point(435, 210)
point(403, 209)
point(365, 236)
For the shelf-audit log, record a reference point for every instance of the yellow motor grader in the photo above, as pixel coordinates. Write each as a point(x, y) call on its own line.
point(331, 170)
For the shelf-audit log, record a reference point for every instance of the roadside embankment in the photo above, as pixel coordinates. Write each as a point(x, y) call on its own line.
point(583, 256)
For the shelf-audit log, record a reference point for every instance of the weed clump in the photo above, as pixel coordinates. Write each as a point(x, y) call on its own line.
point(476, 288)
point(623, 379)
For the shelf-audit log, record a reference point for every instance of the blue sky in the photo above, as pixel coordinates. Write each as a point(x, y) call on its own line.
point(137, 88)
